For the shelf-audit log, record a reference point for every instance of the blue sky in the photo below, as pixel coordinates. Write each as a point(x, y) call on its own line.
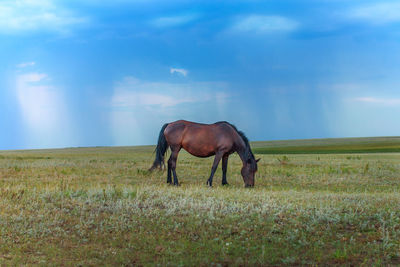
point(84, 73)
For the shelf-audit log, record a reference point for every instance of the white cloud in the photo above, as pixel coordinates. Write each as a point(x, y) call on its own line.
point(29, 15)
point(173, 21)
point(378, 13)
point(132, 99)
point(381, 101)
point(137, 106)
point(180, 71)
point(43, 111)
point(131, 92)
point(25, 64)
point(265, 24)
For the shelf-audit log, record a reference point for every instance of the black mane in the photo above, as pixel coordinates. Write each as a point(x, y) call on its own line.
point(249, 156)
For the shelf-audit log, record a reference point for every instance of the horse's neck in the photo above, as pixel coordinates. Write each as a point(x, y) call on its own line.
point(241, 150)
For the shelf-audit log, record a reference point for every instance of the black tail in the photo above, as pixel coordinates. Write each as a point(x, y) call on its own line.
point(161, 148)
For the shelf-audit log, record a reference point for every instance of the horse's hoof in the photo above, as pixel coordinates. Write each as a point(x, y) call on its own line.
point(225, 184)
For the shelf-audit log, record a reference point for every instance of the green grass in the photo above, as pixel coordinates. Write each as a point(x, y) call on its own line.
point(100, 206)
point(329, 146)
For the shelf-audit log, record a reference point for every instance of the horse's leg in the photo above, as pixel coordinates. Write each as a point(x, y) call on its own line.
point(172, 162)
point(224, 168)
point(217, 158)
point(169, 174)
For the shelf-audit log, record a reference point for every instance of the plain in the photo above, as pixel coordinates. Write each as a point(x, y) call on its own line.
point(101, 206)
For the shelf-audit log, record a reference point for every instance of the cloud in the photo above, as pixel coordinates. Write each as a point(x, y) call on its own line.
point(131, 99)
point(26, 64)
point(180, 71)
point(381, 101)
point(28, 15)
point(173, 21)
point(378, 13)
point(132, 92)
point(265, 24)
point(139, 107)
point(43, 111)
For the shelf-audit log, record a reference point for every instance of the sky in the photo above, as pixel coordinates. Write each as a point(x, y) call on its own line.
point(111, 73)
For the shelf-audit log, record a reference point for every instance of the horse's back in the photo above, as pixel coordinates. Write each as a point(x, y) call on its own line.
point(199, 139)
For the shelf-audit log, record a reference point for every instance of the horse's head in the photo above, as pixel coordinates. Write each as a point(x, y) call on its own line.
point(249, 169)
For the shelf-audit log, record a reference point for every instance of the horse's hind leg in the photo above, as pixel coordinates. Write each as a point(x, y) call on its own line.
point(217, 158)
point(172, 164)
point(169, 173)
point(224, 168)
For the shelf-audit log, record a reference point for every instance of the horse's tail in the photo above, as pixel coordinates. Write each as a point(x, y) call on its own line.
point(161, 149)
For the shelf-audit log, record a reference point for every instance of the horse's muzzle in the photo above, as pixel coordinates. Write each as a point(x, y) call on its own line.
point(249, 185)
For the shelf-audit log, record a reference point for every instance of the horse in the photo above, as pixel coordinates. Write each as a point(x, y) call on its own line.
point(204, 140)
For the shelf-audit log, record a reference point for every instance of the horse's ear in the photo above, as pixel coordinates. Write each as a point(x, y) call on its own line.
point(257, 160)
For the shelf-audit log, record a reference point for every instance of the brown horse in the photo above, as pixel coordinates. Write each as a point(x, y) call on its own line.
point(204, 140)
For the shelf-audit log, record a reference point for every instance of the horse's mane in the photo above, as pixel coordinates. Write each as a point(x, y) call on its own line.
point(248, 154)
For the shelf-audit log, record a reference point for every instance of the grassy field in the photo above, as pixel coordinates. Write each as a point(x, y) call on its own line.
point(330, 146)
point(100, 206)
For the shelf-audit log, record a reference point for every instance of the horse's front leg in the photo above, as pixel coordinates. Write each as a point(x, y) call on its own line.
point(224, 168)
point(217, 158)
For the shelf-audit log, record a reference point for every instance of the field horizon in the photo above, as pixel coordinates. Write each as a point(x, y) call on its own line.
point(372, 144)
